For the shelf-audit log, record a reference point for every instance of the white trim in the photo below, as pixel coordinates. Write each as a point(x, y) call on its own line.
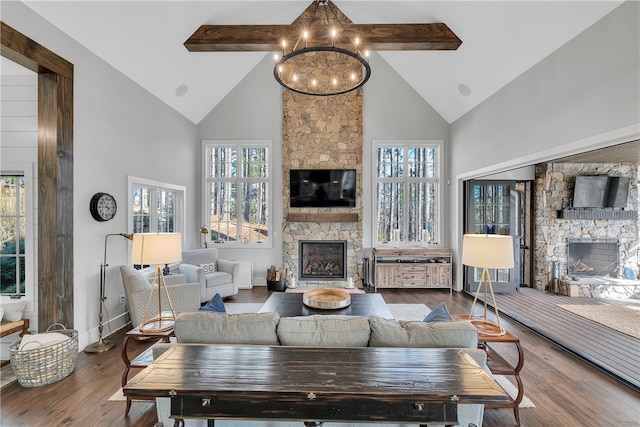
point(603, 140)
point(181, 203)
point(30, 279)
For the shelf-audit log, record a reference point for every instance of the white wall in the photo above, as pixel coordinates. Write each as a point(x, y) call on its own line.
point(392, 110)
point(251, 111)
point(119, 129)
point(584, 95)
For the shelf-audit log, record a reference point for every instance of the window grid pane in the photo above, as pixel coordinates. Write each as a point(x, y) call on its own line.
point(12, 234)
point(237, 196)
point(407, 192)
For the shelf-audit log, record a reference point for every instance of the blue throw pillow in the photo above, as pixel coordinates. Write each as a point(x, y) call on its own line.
point(215, 305)
point(438, 314)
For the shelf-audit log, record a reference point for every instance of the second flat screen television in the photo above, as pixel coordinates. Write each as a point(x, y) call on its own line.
point(322, 188)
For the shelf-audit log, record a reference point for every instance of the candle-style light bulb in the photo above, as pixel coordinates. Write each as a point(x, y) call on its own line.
point(305, 35)
point(284, 45)
point(333, 37)
point(335, 82)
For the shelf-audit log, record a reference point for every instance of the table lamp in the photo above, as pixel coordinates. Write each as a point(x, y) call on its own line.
point(487, 251)
point(157, 248)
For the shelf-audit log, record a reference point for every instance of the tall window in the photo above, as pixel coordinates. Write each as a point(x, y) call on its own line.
point(407, 189)
point(12, 234)
point(237, 191)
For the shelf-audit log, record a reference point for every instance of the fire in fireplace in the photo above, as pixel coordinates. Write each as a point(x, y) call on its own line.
point(593, 257)
point(322, 260)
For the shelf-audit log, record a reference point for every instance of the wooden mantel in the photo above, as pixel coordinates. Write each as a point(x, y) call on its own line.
point(322, 217)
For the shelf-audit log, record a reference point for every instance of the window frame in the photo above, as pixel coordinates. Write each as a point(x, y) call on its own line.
point(180, 202)
point(206, 204)
point(26, 170)
point(436, 179)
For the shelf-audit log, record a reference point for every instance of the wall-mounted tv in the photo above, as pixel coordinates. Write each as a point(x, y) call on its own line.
point(600, 191)
point(322, 188)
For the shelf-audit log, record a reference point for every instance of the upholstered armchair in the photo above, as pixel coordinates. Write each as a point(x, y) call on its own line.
point(184, 296)
point(215, 275)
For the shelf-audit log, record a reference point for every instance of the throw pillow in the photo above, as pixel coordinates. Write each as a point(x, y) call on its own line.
point(216, 305)
point(209, 267)
point(438, 314)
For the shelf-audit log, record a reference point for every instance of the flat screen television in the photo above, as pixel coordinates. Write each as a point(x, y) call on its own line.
point(600, 191)
point(323, 188)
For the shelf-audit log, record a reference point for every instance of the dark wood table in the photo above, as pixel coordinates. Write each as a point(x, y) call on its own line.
point(290, 305)
point(365, 384)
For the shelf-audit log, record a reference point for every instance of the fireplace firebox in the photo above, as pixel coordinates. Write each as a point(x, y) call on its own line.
point(593, 257)
point(324, 260)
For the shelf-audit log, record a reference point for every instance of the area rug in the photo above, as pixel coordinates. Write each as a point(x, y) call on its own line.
point(512, 391)
point(624, 319)
point(240, 307)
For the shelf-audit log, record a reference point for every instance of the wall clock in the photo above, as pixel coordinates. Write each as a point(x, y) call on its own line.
point(103, 207)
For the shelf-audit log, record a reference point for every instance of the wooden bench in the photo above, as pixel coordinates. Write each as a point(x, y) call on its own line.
point(8, 328)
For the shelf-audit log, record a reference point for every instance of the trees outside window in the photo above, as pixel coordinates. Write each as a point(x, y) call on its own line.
point(407, 188)
point(12, 235)
point(237, 191)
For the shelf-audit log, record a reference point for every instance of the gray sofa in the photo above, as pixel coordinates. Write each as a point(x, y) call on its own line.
point(269, 329)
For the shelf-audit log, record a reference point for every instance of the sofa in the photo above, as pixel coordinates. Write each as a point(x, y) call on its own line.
point(215, 275)
point(268, 329)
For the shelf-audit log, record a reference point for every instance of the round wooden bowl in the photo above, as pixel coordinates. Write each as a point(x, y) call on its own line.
point(326, 299)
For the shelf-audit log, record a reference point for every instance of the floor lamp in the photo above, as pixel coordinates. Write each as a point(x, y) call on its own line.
point(487, 251)
point(102, 345)
point(158, 249)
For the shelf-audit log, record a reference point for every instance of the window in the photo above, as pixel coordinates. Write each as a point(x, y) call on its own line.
point(12, 234)
point(406, 181)
point(237, 191)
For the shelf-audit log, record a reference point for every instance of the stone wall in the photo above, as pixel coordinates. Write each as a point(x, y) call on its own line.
point(553, 192)
point(322, 132)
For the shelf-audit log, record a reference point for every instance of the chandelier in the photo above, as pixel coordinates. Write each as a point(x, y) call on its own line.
point(333, 65)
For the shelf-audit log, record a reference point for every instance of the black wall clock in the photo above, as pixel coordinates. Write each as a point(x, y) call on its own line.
point(103, 207)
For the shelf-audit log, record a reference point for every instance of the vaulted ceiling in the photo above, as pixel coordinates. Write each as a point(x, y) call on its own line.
point(144, 40)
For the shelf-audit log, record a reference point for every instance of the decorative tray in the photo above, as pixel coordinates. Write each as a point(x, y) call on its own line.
point(326, 299)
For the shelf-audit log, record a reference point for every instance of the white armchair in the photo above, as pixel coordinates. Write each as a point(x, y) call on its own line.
point(184, 296)
point(215, 275)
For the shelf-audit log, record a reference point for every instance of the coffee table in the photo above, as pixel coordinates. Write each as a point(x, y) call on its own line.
point(290, 305)
point(363, 384)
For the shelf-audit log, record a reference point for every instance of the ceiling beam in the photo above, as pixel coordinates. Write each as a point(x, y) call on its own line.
point(376, 37)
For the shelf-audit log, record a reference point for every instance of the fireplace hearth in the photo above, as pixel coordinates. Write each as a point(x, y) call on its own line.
point(324, 260)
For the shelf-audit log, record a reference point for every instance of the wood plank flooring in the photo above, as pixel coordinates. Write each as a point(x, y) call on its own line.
point(610, 350)
point(566, 391)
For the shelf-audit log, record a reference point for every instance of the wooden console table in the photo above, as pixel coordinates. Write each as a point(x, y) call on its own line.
point(8, 328)
point(414, 385)
point(412, 268)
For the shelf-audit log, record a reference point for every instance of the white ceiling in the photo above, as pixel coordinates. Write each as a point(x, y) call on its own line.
point(144, 40)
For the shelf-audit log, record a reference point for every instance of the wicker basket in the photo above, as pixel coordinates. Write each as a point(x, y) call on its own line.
point(41, 366)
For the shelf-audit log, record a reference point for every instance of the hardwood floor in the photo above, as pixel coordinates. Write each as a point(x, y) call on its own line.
point(565, 390)
point(612, 351)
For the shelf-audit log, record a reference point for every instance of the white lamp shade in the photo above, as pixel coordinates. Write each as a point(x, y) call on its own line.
point(487, 251)
point(156, 248)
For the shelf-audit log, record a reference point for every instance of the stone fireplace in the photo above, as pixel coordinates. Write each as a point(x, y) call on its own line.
point(322, 132)
point(593, 257)
point(322, 260)
point(589, 248)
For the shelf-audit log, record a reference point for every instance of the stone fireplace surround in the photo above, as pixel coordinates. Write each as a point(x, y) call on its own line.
point(553, 192)
point(322, 133)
